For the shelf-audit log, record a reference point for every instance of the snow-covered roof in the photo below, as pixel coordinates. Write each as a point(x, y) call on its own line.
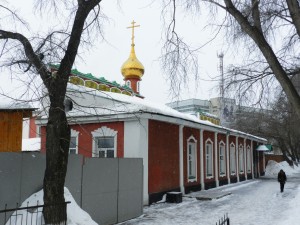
point(7, 104)
point(90, 102)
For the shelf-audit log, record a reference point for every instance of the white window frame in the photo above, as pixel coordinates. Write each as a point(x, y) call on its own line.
point(222, 158)
point(241, 159)
point(103, 132)
point(74, 134)
point(128, 83)
point(209, 157)
point(232, 159)
point(249, 164)
point(192, 159)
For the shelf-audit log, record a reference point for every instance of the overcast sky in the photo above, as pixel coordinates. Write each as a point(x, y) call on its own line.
point(106, 57)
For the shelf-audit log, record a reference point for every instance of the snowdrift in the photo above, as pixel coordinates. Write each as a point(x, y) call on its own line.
point(76, 216)
point(274, 167)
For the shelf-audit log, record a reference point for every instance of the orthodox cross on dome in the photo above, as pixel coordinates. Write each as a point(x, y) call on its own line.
point(132, 32)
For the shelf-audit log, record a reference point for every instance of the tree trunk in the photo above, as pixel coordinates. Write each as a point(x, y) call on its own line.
point(57, 150)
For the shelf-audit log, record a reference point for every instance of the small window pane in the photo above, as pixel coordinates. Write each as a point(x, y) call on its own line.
point(106, 142)
point(73, 142)
point(101, 154)
point(110, 153)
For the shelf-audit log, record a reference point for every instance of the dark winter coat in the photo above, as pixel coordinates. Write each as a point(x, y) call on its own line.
point(281, 176)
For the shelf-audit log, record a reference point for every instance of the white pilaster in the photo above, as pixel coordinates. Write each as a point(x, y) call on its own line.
point(181, 177)
point(245, 157)
point(237, 158)
point(216, 159)
point(201, 161)
point(227, 158)
point(252, 159)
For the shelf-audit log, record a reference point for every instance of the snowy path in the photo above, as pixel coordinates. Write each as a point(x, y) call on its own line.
point(252, 202)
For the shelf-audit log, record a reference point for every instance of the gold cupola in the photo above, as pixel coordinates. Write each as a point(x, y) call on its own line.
point(132, 67)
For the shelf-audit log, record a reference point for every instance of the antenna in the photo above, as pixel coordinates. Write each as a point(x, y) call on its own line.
point(221, 69)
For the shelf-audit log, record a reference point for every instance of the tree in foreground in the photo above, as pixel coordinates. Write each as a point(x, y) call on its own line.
point(267, 32)
point(31, 55)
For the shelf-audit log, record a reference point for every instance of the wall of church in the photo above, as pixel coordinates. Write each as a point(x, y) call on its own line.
point(85, 138)
point(163, 157)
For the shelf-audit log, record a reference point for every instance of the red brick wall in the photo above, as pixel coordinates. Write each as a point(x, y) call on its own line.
point(187, 133)
point(32, 128)
point(85, 140)
point(276, 158)
point(163, 156)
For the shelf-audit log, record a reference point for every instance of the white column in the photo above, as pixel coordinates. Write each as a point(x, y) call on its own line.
point(245, 157)
point(258, 169)
point(216, 160)
point(237, 158)
point(264, 162)
point(201, 161)
point(252, 160)
point(181, 177)
point(227, 158)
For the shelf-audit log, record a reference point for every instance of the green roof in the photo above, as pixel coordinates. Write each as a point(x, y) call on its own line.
point(93, 78)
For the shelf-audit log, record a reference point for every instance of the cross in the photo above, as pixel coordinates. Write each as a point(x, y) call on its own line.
point(132, 34)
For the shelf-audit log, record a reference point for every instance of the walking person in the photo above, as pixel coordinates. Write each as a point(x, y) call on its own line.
point(281, 179)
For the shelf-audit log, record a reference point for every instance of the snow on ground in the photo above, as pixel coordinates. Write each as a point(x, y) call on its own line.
point(252, 202)
point(76, 216)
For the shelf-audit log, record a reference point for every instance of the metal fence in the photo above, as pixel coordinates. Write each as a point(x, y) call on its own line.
point(224, 220)
point(28, 215)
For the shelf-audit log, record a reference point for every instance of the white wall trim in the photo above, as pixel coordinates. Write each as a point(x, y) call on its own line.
point(104, 131)
point(181, 177)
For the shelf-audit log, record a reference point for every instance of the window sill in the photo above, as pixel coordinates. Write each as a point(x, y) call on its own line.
point(209, 178)
point(192, 180)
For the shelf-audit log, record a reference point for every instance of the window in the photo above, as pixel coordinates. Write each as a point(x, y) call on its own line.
point(128, 83)
point(138, 86)
point(209, 158)
point(222, 158)
point(105, 147)
point(241, 159)
point(232, 159)
point(192, 157)
point(73, 145)
point(248, 159)
point(104, 142)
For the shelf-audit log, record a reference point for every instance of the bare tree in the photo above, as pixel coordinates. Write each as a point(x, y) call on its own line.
point(32, 54)
point(279, 125)
point(268, 28)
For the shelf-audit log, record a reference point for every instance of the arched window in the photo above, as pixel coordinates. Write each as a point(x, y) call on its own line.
point(222, 165)
point(209, 158)
point(128, 83)
point(241, 159)
point(104, 142)
point(232, 159)
point(192, 159)
point(249, 161)
point(138, 86)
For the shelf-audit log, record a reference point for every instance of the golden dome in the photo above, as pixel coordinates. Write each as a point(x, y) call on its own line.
point(132, 67)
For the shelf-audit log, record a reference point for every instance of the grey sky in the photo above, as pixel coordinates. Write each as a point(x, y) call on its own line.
point(106, 57)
